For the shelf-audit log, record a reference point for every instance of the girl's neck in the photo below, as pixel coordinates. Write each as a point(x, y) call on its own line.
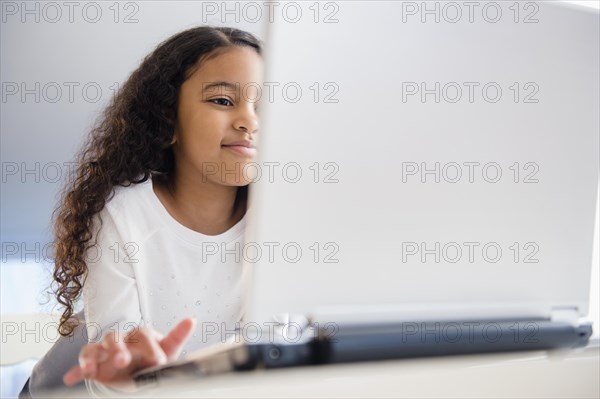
point(205, 207)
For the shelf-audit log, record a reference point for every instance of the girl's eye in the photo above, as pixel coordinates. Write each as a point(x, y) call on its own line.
point(222, 101)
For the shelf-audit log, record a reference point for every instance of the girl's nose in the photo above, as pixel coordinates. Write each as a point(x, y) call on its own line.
point(248, 123)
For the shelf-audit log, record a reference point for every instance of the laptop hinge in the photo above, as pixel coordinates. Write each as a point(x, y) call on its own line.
point(565, 314)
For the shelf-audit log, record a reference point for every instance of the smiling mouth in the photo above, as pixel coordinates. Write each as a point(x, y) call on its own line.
point(241, 150)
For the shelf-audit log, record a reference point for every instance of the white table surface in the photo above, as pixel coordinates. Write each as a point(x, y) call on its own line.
point(540, 374)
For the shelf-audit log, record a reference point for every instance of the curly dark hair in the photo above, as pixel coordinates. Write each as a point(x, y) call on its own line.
point(129, 144)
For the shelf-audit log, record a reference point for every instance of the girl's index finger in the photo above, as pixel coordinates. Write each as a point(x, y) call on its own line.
point(144, 346)
point(174, 341)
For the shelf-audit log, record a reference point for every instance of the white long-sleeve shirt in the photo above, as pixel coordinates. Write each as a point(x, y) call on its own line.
point(148, 269)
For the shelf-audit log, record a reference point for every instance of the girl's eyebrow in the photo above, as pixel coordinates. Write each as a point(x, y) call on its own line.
point(234, 87)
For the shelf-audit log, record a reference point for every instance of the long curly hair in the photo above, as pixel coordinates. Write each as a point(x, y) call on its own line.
point(130, 143)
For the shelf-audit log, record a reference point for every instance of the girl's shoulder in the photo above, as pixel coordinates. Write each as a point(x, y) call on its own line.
point(130, 196)
point(130, 206)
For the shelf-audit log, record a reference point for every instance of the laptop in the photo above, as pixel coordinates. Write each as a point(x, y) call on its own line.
point(429, 185)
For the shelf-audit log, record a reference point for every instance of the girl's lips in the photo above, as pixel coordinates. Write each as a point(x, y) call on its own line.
point(242, 150)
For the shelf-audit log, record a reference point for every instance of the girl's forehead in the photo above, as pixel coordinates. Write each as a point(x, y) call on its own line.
point(236, 64)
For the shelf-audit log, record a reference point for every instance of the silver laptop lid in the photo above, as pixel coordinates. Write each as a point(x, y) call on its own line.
point(426, 160)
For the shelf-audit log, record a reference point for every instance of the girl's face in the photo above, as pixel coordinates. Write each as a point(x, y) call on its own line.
point(217, 120)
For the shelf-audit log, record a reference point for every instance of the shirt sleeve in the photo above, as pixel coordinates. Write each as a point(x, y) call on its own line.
point(110, 294)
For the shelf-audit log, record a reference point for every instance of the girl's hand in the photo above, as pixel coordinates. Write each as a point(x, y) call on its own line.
point(113, 361)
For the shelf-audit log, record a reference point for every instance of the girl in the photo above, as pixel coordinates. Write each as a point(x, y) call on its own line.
point(158, 184)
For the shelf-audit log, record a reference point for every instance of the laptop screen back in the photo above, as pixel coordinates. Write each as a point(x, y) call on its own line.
point(412, 157)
